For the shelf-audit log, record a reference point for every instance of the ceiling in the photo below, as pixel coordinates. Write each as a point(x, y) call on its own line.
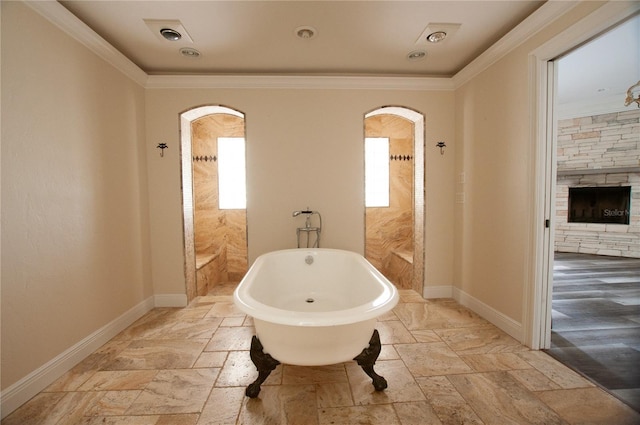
point(259, 37)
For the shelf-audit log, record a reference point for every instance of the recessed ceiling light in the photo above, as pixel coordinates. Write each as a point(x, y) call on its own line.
point(436, 37)
point(416, 55)
point(305, 32)
point(170, 34)
point(435, 33)
point(189, 52)
point(168, 30)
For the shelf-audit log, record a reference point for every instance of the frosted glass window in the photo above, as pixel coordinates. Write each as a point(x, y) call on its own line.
point(232, 181)
point(376, 171)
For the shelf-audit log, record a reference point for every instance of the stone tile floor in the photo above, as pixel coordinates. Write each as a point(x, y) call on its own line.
point(444, 365)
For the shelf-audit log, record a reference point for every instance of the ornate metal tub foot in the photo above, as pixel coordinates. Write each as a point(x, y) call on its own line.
point(368, 358)
point(264, 363)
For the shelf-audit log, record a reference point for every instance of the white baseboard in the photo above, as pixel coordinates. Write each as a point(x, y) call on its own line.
point(505, 323)
point(170, 300)
point(443, 291)
point(23, 390)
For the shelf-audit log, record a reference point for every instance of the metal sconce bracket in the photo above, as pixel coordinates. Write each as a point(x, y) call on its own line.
point(162, 147)
point(441, 145)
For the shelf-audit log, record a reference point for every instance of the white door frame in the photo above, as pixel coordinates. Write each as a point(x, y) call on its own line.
point(537, 297)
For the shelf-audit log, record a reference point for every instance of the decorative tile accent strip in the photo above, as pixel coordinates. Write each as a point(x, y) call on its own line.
point(205, 158)
point(401, 157)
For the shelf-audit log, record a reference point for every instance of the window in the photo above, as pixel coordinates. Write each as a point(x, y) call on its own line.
point(376, 171)
point(232, 182)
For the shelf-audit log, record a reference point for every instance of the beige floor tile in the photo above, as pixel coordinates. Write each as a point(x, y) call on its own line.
point(36, 411)
point(450, 407)
point(590, 406)
point(299, 375)
point(282, 404)
point(534, 380)
point(334, 395)
point(428, 359)
point(225, 308)
point(211, 359)
point(231, 339)
point(187, 419)
point(188, 329)
point(554, 370)
point(371, 415)
point(402, 387)
point(497, 397)
point(119, 380)
point(158, 354)
point(444, 365)
point(122, 420)
point(436, 315)
point(425, 335)
point(175, 391)
point(223, 406)
point(113, 403)
point(233, 321)
point(388, 352)
point(79, 374)
point(394, 332)
point(498, 361)
point(416, 413)
point(479, 340)
point(239, 371)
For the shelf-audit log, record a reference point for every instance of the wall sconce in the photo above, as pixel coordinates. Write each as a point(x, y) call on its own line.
point(441, 145)
point(630, 97)
point(162, 147)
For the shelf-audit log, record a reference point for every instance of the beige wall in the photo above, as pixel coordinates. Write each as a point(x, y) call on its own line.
point(75, 252)
point(304, 149)
point(495, 157)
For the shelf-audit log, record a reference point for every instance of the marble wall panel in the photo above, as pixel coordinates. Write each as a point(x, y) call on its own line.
point(221, 233)
point(391, 229)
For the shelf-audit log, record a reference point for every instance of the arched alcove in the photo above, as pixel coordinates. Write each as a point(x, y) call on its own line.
point(397, 261)
point(196, 254)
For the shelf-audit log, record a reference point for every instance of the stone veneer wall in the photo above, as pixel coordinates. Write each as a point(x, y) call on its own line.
point(220, 235)
point(389, 231)
point(600, 150)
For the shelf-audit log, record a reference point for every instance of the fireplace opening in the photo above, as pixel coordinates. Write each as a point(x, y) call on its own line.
point(610, 205)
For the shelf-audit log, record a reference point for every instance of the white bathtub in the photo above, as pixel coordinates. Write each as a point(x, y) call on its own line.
point(314, 307)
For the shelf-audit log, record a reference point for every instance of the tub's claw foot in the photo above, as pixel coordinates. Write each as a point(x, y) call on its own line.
point(264, 363)
point(368, 358)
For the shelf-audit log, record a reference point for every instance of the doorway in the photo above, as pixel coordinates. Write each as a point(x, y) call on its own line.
point(538, 297)
point(394, 223)
point(214, 224)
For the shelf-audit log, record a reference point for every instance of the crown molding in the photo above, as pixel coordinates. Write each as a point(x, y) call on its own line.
point(69, 23)
point(55, 13)
point(297, 82)
point(534, 23)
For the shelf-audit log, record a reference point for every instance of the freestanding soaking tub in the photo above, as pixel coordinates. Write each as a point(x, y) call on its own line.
point(314, 307)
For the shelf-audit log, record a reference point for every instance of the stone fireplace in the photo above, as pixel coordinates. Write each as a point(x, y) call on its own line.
point(598, 162)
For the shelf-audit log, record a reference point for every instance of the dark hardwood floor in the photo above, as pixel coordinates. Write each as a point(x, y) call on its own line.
point(596, 321)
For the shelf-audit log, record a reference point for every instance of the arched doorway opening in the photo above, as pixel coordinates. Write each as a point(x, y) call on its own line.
point(394, 232)
point(215, 235)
